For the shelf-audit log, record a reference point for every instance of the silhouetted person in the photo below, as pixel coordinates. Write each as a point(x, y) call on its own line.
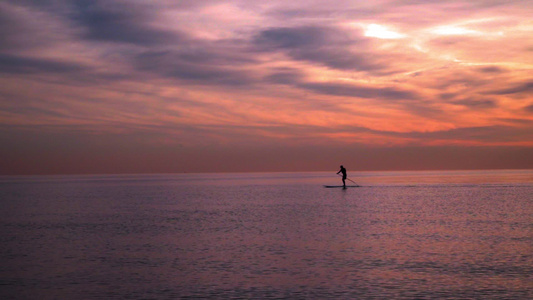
point(343, 171)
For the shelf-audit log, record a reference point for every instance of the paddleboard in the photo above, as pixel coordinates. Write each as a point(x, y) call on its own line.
point(340, 186)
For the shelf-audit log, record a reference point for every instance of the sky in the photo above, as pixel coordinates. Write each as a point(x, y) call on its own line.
point(160, 86)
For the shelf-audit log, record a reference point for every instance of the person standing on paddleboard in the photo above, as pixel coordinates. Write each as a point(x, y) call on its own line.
point(343, 171)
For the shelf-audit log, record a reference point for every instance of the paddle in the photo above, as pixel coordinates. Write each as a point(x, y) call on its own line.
point(349, 179)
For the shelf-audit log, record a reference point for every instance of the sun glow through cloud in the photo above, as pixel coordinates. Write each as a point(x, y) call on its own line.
point(381, 32)
point(453, 30)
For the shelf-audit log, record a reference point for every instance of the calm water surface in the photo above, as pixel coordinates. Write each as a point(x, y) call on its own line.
point(403, 235)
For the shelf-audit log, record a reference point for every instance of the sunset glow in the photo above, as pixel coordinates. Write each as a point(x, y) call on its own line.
point(382, 32)
point(188, 86)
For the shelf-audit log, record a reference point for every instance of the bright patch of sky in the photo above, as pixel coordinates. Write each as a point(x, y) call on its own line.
point(382, 32)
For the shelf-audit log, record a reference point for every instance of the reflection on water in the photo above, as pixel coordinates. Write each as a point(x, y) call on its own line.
point(411, 235)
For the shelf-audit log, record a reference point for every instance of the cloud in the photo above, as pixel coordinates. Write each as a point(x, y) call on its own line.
point(529, 108)
point(26, 28)
point(492, 69)
point(477, 103)
point(288, 76)
point(496, 134)
point(294, 38)
point(524, 87)
point(327, 46)
point(200, 68)
point(27, 65)
point(121, 22)
point(359, 91)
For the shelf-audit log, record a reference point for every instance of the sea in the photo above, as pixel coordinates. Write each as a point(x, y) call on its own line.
point(400, 235)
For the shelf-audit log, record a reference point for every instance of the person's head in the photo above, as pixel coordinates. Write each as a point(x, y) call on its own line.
point(342, 167)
